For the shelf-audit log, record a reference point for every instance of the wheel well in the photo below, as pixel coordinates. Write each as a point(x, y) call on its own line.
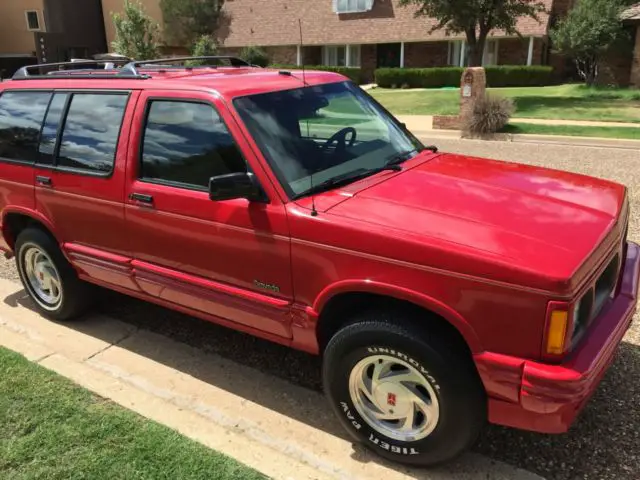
point(14, 223)
point(340, 309)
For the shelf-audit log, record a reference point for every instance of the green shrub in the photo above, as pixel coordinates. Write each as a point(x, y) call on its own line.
point(205, 46)
point(497, 76)
point(354, 74)
point(418, 77)
point(255, 56)
point(518, 76)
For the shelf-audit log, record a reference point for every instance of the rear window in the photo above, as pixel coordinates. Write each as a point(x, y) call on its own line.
point(91, 132)
point(21, 116)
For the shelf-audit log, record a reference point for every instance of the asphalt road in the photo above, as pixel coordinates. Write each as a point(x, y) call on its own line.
point(605, 441)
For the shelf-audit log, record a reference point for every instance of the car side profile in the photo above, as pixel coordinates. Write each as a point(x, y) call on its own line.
point(442, 291)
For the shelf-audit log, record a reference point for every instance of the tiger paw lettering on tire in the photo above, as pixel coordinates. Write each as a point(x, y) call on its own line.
point(401, 393)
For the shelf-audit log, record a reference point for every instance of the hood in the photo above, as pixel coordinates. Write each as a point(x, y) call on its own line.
point(536, 220)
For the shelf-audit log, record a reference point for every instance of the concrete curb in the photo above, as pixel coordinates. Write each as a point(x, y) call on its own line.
point(282, 430)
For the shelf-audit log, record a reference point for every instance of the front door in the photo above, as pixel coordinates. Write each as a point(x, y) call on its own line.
point(229, 259)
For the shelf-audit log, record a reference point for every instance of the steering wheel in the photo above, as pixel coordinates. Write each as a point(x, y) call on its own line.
point(340, 139)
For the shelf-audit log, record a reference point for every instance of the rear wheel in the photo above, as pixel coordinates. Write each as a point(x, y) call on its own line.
point(410, 396)
point(48, 278)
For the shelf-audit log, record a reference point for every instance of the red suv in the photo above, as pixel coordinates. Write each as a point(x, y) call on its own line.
point(442, 290)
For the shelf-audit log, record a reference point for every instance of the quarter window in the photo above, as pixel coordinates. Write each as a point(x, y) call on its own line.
point(91, 132)
point(185, 144)
point(21, 116)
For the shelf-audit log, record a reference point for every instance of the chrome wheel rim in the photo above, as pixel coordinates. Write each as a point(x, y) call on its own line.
point(42, 277)
point(394, 398)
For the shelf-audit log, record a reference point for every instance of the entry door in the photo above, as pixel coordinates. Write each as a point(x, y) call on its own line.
point(388, 55)
point(230, 259)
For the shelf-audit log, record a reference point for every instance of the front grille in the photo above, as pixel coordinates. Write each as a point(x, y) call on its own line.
point(595, 298)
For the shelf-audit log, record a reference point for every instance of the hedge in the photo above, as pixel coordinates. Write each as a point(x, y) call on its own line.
point(497, 76)
point(353, 73)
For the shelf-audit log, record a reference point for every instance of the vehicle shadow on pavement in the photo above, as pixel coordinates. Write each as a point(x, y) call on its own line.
point(604, 442)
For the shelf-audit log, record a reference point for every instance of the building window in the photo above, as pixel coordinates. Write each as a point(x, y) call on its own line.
point(33, 20)
point(352, 6)
point(459, 53)
point(341, 55)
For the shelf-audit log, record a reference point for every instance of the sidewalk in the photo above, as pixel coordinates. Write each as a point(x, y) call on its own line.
point(425, 122)
point(422, 127)
point(280, 429)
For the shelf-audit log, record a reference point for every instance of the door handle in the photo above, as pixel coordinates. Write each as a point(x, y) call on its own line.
point(41, 180)
point(142, 198)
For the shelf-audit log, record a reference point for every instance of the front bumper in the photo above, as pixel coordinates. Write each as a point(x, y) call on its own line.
point(547, 398)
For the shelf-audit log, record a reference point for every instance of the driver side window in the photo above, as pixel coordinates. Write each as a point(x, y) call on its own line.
point(185, 144)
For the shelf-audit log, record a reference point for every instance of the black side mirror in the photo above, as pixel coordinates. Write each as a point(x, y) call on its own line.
point(235, 185)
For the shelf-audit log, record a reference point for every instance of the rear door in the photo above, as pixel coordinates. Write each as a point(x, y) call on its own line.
point(230, 259)
point(80, 178)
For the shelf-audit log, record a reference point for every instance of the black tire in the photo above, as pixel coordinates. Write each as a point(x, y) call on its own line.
point(442, 363)
point(75, 295)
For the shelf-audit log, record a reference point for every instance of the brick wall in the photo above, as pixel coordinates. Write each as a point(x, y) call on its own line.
point(635, 66)
point(368, 62)
point(425, 54)
point(287, 55)
point(514, 51)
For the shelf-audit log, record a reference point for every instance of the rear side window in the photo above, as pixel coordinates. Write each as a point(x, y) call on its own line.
point(21, 116)
point(91, 132)
point(187, 143)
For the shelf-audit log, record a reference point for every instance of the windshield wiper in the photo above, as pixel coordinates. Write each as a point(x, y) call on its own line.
point(346, 179)
point(397, 159)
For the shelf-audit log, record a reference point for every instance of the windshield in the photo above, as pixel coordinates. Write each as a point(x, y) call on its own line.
point(329, 131)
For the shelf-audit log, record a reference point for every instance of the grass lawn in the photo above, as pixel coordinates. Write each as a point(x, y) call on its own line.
point(52, 429)
point(574, 131)
point(564, 102)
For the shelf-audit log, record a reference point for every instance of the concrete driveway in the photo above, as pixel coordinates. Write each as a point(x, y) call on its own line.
point(605, 442)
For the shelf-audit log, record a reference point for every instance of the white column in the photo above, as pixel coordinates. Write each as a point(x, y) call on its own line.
point(401, 54)
point(299, 55)
point(530, 53)
point(347, 55)
point(463, 52)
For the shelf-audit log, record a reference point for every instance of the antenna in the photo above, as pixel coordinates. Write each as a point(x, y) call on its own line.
point(314, 212)
point(304, 77)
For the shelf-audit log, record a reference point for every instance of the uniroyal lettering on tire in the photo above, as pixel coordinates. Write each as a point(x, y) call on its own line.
point(410, 397)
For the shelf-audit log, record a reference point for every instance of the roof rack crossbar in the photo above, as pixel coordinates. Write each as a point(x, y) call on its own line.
point(24, 72)
point(131, 68)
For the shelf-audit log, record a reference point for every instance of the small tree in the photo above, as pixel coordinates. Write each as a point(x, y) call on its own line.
point(255, 56)
point(136, 33)
point(185, 21)
point(206, 46)
point(476, 18)
point(588, 32)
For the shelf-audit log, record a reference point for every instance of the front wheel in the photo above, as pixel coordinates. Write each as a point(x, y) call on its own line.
point(48, 277)
point(410, 396)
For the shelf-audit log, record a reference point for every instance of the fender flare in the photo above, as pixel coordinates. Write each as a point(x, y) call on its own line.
point(428, 303)
point(35, 215)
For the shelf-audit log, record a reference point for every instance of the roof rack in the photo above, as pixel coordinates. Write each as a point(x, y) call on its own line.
point(132, 68)
point(24, 73)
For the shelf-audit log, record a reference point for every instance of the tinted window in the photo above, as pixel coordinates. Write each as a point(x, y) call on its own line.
point(187, 143)
point(91, 131)
point(21, 115)
point(50, 129)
